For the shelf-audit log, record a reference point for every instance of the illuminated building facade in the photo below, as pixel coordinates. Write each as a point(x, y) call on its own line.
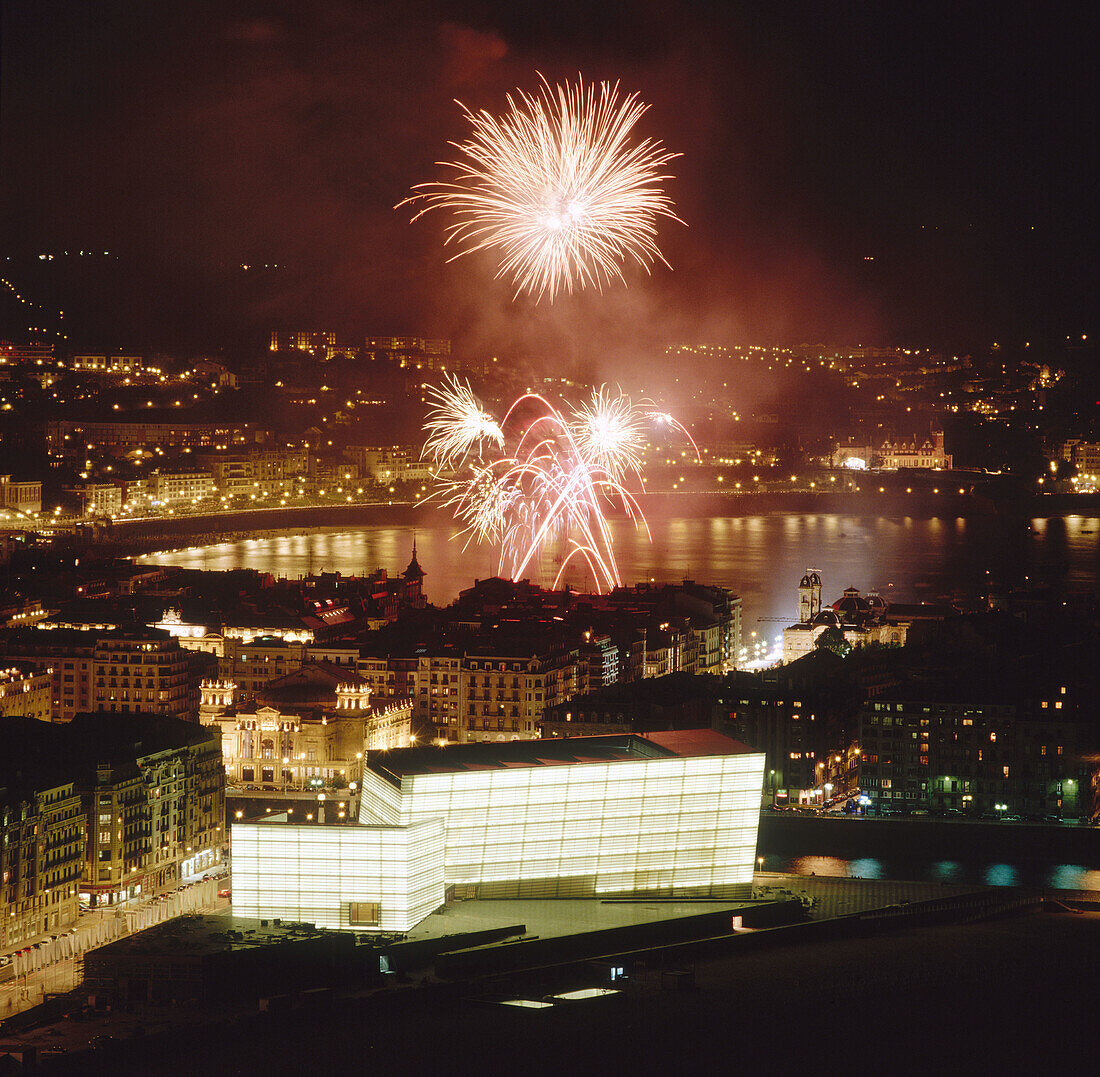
point(669, 814)
point(26, 692)
point(24, 497)
point(41, 856)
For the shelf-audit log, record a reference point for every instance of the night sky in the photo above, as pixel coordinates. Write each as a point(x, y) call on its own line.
point(955, 144)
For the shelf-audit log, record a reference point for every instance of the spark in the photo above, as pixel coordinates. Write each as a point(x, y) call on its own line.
point(457, 424)
point(556, 188)
point(541, 477)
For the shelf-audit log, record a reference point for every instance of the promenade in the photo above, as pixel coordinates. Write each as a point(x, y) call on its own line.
point(54, 964)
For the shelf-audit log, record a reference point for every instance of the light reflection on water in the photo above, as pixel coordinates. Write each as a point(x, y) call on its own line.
point(759, 557)
point(1002, 875)
point(1053, 876)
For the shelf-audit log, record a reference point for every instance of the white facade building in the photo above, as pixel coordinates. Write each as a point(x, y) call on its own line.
point(360, 878)
point(670, 814)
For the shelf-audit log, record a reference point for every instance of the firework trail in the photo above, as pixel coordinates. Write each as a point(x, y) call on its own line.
point(540, 477)
point(556, 188)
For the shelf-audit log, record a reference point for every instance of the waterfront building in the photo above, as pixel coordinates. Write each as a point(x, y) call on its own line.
point(96, 498)
point(894, 453)
point(1002, 758)
point(258, 473)
point(667, 814)
point(390, 465)
point(853, 620)
point(22, 496)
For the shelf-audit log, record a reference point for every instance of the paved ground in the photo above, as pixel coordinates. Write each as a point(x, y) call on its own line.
point(842, 896)
point(552, 919)
point(27, 991)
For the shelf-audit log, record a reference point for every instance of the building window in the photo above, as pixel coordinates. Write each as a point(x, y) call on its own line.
point(364, 913)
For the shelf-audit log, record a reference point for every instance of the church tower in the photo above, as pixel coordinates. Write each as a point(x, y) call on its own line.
point(809, 596)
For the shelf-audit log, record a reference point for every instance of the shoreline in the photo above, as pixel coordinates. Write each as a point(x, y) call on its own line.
point(138, 537)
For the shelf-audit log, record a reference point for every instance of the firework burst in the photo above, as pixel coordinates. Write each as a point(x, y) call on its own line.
point(540, 478)
point(556, 188)
point(457, 424)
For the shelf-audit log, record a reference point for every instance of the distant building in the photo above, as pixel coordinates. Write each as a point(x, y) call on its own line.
point(1084, 455)
point(853, 620)
point(674, 701)
point(242, 476)
point(96, 498)
point(420, 353)
point(671, 814)
point(118, 670)
point(252, 666)
point(895, 453)
point(393, 464)
point(26, 353)
point(20, 496)
point(71, 438)
point(113, 365)
point(313, 341)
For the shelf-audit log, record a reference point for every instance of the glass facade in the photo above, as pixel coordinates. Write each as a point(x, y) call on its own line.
point(327, 875)
point(683, 826)
point(662, 824)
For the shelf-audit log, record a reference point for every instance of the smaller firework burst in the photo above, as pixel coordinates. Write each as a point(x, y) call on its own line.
point(457, 424)
point(538, 479)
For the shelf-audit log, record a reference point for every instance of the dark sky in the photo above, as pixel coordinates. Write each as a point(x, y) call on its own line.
point(955, 144)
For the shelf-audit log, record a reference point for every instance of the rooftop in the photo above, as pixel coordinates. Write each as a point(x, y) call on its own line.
point(398, 763)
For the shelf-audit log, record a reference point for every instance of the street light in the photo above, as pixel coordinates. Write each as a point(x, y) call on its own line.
point(828, 788)
point(286, 762)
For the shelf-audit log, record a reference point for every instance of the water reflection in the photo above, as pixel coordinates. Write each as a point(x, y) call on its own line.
point(1002, 875)
point(1028, 872)
point(947, 871)
point(759, 557)
point(1073, 877)
point(867, 868)
point(819, 865)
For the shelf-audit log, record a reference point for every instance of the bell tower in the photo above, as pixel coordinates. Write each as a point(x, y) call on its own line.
point(809, 596)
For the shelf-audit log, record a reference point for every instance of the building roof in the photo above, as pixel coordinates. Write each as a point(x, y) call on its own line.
point(398, 763)
point(314, 684)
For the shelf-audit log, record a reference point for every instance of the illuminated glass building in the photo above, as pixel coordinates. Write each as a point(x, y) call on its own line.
point(670, 814)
